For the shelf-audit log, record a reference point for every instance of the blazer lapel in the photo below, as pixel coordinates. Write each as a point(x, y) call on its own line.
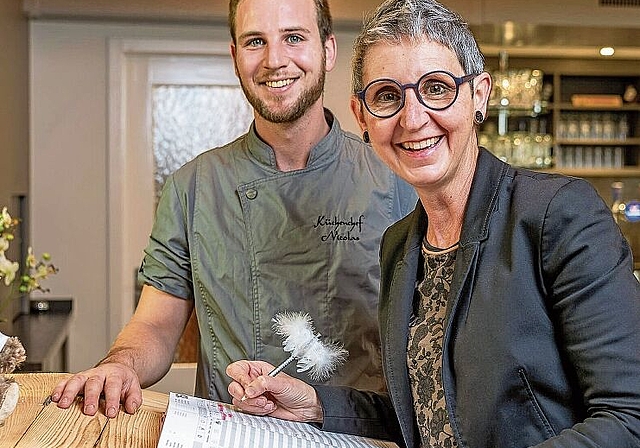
point(396, 313)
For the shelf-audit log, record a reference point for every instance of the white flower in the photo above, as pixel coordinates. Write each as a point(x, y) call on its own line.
point(4, 245)
point(8, 269)
point(5, 218)
point(35, 270)
point(31, 261)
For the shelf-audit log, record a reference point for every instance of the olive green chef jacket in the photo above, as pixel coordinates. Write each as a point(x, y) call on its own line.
point(246, 241)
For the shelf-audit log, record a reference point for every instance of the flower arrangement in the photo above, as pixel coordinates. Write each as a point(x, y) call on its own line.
point(35, 270)
point(12, 352)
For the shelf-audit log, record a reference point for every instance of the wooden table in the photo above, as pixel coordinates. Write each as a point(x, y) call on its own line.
point(34, 425)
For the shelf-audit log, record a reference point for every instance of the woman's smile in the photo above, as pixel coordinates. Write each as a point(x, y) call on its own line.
point(415, 146)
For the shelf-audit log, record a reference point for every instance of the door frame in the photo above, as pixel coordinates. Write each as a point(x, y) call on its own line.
point(123, 163)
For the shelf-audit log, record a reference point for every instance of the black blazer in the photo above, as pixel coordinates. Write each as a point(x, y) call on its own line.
point(542, 345)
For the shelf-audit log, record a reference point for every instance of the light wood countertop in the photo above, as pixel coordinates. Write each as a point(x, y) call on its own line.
point(34, 425)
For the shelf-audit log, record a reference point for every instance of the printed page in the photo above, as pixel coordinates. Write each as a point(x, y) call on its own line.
point(193, 422)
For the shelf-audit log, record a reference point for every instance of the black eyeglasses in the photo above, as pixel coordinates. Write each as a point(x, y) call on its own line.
point(436, 90)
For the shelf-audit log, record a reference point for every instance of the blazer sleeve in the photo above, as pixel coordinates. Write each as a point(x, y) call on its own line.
point(595, 301)
point(364, 413)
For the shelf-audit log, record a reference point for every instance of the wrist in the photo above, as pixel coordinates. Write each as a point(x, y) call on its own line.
point(118, 356)
point(315, 412)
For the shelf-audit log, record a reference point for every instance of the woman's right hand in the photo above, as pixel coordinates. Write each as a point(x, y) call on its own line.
point(282, 396)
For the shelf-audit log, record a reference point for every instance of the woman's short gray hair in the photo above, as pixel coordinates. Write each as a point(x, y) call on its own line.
point(395, 21)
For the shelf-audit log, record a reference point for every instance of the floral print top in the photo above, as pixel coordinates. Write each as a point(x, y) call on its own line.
point(424, 351)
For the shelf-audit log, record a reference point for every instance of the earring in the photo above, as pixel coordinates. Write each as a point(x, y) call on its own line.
point(365, 137)
point(479, 118)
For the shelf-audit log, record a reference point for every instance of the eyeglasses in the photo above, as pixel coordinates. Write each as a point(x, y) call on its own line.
point(436, 90)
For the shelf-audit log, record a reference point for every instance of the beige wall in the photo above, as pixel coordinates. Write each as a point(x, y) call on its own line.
point(14, 109)
point(14, 75)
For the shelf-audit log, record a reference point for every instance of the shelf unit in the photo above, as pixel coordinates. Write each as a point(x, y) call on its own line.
point(565, 78)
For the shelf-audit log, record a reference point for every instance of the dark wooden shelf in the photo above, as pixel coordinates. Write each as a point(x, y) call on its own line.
point(596, 142)
point(596, 172)
point(633, 107)
point(518, 112)
point(44, 335)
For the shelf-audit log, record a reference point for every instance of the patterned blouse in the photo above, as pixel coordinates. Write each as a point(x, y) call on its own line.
point(424, 351)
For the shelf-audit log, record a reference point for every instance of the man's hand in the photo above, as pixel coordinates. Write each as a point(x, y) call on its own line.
point(140, 356)
point(118, 383)
point(281, 396)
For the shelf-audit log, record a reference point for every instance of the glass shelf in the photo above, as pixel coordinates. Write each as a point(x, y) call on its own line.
point(520, 112)
point(596, 142)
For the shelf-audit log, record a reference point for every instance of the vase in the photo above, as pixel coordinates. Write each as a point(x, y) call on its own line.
point(9, 395)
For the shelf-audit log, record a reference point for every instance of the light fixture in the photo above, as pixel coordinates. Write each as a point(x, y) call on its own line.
point(607, 51)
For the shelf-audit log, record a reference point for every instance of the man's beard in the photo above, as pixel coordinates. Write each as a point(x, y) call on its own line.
point(302, 104)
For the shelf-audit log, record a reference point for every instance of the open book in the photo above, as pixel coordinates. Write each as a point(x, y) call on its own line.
point(192, 422)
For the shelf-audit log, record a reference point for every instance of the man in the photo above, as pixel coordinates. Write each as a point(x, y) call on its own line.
point(286, 218)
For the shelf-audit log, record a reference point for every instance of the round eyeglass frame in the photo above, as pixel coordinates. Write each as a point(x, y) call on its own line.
point(458, 81)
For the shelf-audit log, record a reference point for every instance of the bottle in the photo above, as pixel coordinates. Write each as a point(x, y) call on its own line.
point(623, 127)
point(632, 210)
point(617, 208)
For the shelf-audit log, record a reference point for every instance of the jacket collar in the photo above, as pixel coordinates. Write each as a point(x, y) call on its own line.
point(323, 152)
point(483, 198)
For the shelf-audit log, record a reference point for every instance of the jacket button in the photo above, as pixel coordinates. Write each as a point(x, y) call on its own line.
point(251, 193)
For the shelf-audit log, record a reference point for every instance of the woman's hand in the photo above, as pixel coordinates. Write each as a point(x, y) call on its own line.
point(282, 396)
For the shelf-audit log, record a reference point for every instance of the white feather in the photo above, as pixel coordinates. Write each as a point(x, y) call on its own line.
point(319, 358)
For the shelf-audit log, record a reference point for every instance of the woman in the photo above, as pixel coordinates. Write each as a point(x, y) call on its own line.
point(509, 313)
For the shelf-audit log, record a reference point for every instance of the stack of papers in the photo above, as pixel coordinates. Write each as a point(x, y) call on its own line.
point(192, 422)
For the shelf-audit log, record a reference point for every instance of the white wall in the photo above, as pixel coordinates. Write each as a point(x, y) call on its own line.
point(338, 86)
point(68, 182)
point(69, 159)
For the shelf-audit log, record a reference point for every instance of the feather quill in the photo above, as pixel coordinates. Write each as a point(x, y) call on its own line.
point(319, 358)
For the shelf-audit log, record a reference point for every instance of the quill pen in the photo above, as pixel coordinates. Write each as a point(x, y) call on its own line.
point(319, 358)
